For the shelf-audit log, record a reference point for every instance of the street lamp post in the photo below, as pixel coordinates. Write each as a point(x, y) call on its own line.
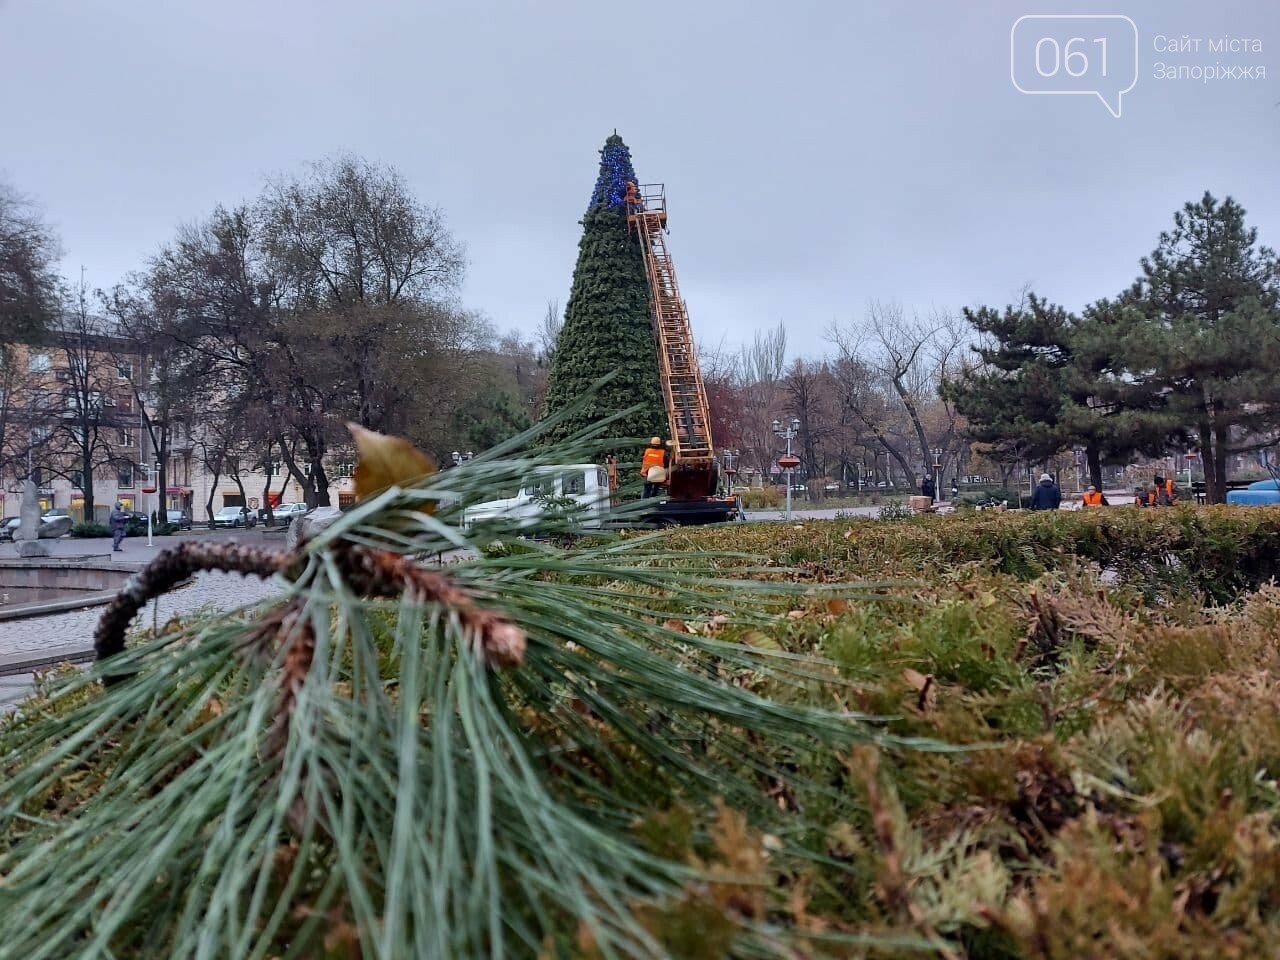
point(153, 473)
point(788, 462)
point(729, 470)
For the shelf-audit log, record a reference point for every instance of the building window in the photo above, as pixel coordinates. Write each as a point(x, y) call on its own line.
point(126, 402)
point(345, 469)
point(124, 479)
point(40, 433)
point(77, 479)
point(38, 362)
point(126, 438)
point(125, 368)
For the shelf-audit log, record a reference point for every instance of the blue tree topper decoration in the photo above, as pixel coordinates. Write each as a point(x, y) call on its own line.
point(615, 171)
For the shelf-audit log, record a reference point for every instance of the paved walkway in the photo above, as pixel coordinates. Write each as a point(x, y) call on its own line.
point(13, 689)
point(135, 549)
point(73, 631)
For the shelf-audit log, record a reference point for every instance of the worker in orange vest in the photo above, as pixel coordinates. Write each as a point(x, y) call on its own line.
point(653, 467)
point(1142, 498)
point(1093, 498)
point(1166, 495)
point(633, 193)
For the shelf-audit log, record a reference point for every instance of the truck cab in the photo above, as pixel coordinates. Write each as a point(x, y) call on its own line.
point(578, 491)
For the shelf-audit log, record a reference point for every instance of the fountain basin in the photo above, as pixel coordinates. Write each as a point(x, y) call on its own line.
point(35, 587)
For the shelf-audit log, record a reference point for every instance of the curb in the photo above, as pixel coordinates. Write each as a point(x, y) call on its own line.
point(18, 664)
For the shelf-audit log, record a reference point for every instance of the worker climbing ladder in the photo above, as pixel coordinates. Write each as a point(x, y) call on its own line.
point(682, 387)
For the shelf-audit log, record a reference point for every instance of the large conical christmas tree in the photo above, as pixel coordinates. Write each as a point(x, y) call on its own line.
point(606, 323)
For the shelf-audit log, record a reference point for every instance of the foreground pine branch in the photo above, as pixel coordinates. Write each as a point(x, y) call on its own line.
point(395, 760)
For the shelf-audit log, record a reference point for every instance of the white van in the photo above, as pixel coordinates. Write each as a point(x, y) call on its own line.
point(579, 490)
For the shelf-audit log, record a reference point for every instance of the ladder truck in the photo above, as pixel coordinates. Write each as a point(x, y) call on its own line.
point(693, 477)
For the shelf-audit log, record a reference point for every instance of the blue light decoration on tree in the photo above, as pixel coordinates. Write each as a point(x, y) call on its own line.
point(615, 171)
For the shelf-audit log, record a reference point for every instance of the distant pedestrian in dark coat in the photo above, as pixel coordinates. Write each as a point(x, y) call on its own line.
point(1047, 495)
point(927, 488)
point(118, 521)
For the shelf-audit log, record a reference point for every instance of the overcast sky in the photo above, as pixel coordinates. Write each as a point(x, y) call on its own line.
point(816, 154)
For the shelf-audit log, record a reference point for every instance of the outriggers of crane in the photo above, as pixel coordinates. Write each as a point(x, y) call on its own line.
point(693, 479)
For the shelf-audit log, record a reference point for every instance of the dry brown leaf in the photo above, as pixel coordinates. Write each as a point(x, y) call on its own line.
point(386, 461)
point(795, 614)
point(715, 623)
point(837, 605)
point(677, 625)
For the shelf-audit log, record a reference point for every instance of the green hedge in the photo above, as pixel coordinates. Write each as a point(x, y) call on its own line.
point(84, 531)
point(1219, 551)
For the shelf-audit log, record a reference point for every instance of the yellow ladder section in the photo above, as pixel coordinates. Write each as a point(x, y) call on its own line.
point(682, 387)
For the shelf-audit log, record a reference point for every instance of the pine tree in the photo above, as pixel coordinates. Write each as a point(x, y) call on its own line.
point(1208, 337)
point(1052, 380)
point(606, 323)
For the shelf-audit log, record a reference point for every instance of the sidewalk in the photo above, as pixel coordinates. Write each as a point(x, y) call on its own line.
point(135, 549)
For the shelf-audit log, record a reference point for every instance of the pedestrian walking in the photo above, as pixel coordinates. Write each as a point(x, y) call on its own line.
point(118, 521)
point(927, 489)
point(1047, 495)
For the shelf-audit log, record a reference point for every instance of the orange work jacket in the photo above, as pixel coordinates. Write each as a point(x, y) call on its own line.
point(1093, 499)
point(653, 457)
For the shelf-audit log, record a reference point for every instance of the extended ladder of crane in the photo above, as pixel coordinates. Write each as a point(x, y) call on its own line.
point(682, 387)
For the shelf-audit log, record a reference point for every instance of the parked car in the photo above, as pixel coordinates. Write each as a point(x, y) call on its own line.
point(176, 518)
point(235, 517)
point(285, 512)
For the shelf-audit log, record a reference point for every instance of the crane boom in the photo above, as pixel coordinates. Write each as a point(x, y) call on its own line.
point(693, 472)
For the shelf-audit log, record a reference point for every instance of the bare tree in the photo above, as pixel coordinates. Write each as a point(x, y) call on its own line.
point(894, 365)
point(329, 299)
point(96, 416)
point(760, 394)
point(549, 331)
point(809, 394)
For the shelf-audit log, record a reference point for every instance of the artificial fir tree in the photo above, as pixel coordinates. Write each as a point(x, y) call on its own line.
point(606, 323)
